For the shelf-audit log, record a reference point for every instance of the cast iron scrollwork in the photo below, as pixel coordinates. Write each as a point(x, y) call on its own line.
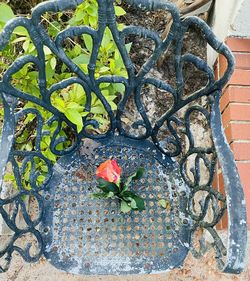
point(170, 121)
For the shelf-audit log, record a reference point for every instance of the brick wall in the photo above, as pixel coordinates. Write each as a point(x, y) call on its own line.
point(235, 109)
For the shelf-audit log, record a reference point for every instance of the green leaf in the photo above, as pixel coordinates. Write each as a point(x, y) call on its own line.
point(81, 59)
point(128, 47)
point(75, 117)
point(135, 201)
point(139, 203)
point(113, 105)
point(164, 203)
point(98, 195)
point(110, 194)
point(22, 31)
point(139, 174)
point(19, 39)
point(92, 10)
point(119, 88)
point(47, 51)
point(88, 42)
point(119, 11)
point(127, 194)
point(107, 186)
point(112, 66)
point(79, 15)
point(92, 21)
point(53, 63)
point(98, 110)
point(6, 13)
point(104, 69)
point(41, 179)
point(133, 204)
point(60, 104)
point(49, 71)
point(125, 208)
point(83, 114)
point(26, 45)
point(74, 105)
point(136, 176)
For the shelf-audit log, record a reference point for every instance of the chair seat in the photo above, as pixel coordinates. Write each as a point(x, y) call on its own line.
point(87, 236)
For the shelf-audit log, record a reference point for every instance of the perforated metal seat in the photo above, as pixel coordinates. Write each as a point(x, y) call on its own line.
point(84, 236)
point(88, 237)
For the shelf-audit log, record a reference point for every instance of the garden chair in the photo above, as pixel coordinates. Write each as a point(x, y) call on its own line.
point(86, 236)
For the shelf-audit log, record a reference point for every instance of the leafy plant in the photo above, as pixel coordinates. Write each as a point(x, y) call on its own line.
point(70, 101)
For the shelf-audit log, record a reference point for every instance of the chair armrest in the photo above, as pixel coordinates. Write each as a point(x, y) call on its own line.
point(237, 227)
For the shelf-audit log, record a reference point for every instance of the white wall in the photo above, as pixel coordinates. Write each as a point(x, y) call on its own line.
point(241, 23)
point(231, 17)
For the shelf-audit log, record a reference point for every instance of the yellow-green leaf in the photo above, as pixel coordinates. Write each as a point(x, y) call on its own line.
point(6, 13)
point(75, 117)
point(119, 11)
point(164, 203)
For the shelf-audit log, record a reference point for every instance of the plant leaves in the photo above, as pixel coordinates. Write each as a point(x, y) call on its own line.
point(164, 203)
point(6, 13)
point(133, 204)
point(139, 174)
point(127, 194)
point(102, 195)
point(81, 59)
point(53, 62)
point(125, 208)
point(136, 176)
point(88, 42)
point(139, 203)
point(135, 201)
point(119, 11)
point(107, 186)
point(98, 195)
point(75, 117)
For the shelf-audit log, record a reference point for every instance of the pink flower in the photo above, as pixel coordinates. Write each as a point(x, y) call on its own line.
point(109, 171)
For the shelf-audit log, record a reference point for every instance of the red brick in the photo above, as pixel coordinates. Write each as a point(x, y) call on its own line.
point(240, 94)
point(244, 170)
point(240, 77)
point(222, 65)
point(238, 44)
point(237, 131)
point(241, 150)
point(236, 112)
point(242, 60)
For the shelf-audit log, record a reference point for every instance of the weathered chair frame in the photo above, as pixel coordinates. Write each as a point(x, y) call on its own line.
point(116, 135)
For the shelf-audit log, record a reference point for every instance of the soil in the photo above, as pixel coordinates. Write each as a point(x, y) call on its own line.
point(193, 43)
point(156, 101)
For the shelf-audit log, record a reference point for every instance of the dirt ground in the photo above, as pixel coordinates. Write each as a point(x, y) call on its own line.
point(192, 270)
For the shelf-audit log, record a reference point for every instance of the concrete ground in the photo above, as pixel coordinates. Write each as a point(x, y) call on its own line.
point(193, 270)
